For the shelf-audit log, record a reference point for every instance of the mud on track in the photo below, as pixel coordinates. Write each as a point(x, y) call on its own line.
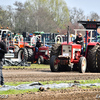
point(46, 75)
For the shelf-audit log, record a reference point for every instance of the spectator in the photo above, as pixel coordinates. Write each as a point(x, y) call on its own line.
point(5, 40)
point(3, 50)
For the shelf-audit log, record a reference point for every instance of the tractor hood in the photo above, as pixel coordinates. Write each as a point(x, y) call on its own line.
point(66, 43)
point(93, 43)
point(43, 48)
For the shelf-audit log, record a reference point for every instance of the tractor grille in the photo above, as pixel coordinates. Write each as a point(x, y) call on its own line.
point(67, 50)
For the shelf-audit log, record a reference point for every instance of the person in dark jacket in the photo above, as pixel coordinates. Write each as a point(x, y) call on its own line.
point(5, 40)
point(79, 40)
point(3, 50)
point(38, 43)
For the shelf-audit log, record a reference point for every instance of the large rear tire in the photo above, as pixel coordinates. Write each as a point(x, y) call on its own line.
point(23, 54)
point(30, 54)
point(82, 65)
point(55, 50)
point(92, 59)
point(98, 59)
point(53, 64)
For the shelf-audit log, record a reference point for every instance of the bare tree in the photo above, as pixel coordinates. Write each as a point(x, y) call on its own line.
point(76, 15)
point(93, 16)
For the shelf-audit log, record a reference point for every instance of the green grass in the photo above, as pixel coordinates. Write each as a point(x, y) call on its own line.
point(16, 83)
point(18, 91)
point(33, 66)
point(89, 81)
point(57, 82)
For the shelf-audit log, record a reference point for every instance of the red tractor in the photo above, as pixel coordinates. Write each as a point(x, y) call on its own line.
point(29, 53)
point(62, 55)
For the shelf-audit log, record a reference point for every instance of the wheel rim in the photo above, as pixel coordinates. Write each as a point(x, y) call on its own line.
point(83, 68)
point(55, 64)
point(39, 61)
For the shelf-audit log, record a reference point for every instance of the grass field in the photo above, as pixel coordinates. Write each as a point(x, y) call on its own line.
point(33, 66)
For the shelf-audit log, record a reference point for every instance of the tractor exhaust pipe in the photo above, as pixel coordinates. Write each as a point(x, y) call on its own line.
point(68, 35)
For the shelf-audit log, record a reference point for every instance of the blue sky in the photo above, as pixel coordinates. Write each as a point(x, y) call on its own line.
point(86, 5)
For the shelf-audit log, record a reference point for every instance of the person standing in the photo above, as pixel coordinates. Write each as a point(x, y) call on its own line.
point(5, 40)
point(3, 50)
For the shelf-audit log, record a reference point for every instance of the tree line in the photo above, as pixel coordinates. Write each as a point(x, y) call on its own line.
point(42, 15)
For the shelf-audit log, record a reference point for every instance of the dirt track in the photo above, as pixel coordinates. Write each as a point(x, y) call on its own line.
point(47, 75)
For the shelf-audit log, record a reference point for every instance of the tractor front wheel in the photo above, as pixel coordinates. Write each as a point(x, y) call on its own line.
point(54, 64)
point(40, 60)
point(82, 65)
point(23, 54)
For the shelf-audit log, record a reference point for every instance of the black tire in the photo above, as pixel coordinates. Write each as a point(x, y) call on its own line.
point(55, 50)
point(40, 60)
point(52, 66)
point(23, 54)
point(92, 59)
point(98, 59)
point(82, 65)
point(30, 54)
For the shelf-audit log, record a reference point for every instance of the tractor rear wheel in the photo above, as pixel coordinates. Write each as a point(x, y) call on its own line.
point(92, 58)
point(54, 66)
point(55, 50)
point(98, 59)
point(23, 54)
point(82, 65)
point(40, 60)
point(30, 54)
